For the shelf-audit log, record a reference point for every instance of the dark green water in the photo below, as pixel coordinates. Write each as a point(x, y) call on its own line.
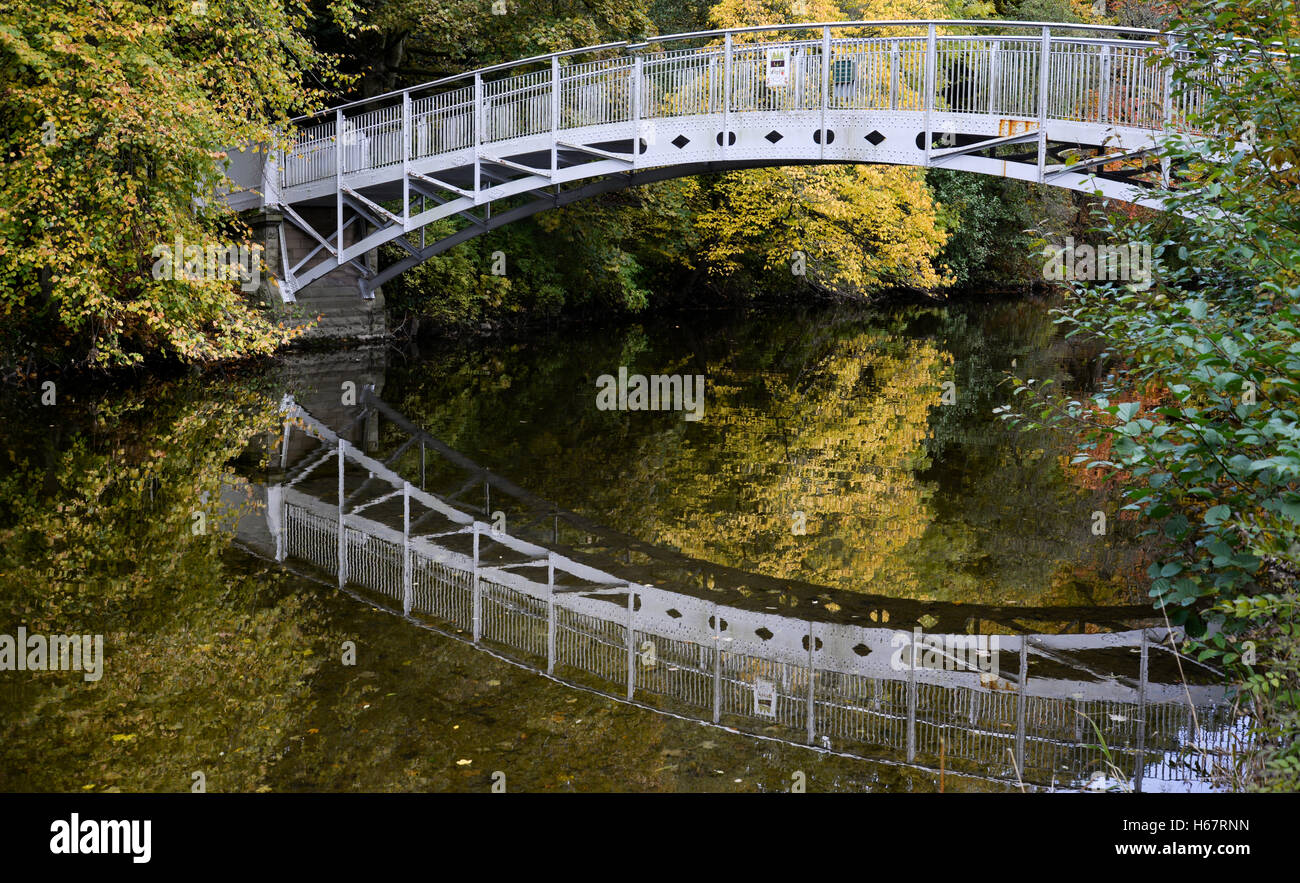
point(119, 511)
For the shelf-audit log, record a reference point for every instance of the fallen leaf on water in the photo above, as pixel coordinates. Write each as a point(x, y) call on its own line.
point(463, 762)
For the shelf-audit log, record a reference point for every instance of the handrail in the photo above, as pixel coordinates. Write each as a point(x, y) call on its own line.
point(751, 29)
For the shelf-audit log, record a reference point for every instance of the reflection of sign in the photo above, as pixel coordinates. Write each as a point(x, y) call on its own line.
point(764, 697)
point(778, 68)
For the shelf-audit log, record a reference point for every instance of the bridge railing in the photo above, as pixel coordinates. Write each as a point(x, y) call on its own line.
point(1096, 74)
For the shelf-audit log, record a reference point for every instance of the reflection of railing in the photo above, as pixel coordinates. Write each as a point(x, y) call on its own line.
point(825, 684)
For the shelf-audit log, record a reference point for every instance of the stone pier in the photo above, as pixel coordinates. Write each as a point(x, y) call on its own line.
point(334, 306)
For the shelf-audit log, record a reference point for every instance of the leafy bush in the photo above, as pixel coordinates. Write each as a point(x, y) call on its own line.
point(1208, 445)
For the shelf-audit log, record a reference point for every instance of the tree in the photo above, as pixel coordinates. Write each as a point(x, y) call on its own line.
point(115, 119)
point(986, 218)
point(857, 228)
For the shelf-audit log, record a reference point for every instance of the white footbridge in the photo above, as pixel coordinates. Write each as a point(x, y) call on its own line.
point(1084, 107)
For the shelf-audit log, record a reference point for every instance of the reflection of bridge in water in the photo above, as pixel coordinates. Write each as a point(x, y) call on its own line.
point(1055, 709)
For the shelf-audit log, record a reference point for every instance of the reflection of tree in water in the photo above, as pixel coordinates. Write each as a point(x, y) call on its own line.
point(837, 435)
point(834, 414)
point(207, 653)
point(840, 419)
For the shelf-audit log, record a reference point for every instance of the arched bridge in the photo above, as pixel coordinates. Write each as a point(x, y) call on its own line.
point(1081, 107)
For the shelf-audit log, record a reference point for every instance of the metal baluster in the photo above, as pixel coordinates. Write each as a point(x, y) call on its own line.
point(812, 681)
point(631, 639)
point(826, 88)
point(343, 549)
point(1139, 758)
point(638, 72)
point(477, 599)
point(555, 114)
point(1022, 700)
point(930, 85)
point(726, 94)
point(1167, 108)
point(717, 665)
point(893, 75)
point(995, 74)
point(406, 161)
point(911, 702)
point(406, 549)
point(1043, 62)
point(1103, 84)
point(550, 613)
point(338, 185)
point(478, 131)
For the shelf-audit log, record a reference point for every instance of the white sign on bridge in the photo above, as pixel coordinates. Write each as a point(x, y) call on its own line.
point(778, 68)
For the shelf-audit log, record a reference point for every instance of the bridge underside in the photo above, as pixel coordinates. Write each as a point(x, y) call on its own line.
point(520, 177)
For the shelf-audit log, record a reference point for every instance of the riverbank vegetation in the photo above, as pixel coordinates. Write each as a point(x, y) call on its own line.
point(1200, 419)
point(112, 116)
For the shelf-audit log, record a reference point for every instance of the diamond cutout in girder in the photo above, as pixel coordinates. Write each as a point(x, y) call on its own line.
point(875, 138)
point(681, 141)
point(774, 136)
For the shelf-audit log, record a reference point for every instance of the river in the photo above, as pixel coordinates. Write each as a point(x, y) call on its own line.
point(844, 475)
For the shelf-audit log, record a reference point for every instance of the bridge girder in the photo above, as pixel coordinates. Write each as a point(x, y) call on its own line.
point(601, 175)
